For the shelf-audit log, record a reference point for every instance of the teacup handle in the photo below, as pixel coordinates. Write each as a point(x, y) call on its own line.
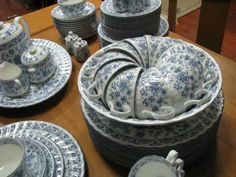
point(88, 70)
point(179, 164)
point(19, 84)
point(213, 80)
point(92, 97)
point(25, 25)
point(169, 114)
point(206, 98)
point(125, 114)
point(31, 70)
point(172, 156)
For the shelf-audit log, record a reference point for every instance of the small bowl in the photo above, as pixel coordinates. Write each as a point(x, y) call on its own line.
point(38, 63)
point(12, 155)
point(72, 8)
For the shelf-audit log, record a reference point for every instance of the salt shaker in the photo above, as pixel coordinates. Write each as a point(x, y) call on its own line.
point(81, 50)
point(70, 40)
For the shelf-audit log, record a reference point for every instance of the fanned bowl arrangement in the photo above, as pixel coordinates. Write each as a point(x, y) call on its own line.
point(145, 87)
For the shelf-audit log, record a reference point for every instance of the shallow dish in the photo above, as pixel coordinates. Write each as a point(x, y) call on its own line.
point(213, 88)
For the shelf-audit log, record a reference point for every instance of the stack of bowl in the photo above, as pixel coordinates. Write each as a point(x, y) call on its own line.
point(77, 16)
point(148, 95)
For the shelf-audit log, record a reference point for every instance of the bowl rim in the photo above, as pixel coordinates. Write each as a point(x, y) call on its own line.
point(148, 122)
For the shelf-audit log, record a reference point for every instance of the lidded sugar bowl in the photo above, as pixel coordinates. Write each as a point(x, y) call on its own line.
point(14, 39)
point(38, 62)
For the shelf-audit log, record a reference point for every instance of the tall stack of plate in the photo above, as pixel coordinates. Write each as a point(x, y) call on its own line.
point(123, 138)
point(61, 155)
point(85, 24)
point(116, 26)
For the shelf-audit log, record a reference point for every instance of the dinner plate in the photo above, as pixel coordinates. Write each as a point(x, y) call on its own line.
point(74, 164)
point(40, 92)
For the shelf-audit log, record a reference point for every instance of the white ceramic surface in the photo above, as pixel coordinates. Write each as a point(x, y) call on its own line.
point(12, 155)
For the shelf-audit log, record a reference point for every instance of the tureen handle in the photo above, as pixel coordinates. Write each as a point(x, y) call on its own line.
point(25, 25)
point(124, 114)
point(166, 113)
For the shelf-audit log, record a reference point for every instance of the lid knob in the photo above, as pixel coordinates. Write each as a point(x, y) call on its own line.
point(32, 50)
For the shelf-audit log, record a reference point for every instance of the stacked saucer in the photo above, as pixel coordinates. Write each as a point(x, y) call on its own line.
point(105, 40)
point(49, 150)
point(83, 24)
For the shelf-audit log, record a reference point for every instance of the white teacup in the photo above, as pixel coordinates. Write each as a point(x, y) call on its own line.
point(157, 166)
point(12, 155)
point(72, 8)
point(14, 81)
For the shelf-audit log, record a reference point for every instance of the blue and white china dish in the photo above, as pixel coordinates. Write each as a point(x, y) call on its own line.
point(84, 25)
point(13, 40)
point(39, 63)
point(34, 160)
point(14, 80)
point(161, 100)
point(40, 92)
point(105, 40)
point(118, 26)
point(120, 5)
point(55, 151)
point(12, 156)
point(71, 8)
point(123, 144)
point(154, 165)
point(57, 140)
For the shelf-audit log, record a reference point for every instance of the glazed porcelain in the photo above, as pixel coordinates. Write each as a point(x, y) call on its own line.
point(70, 40)
point(39, 63)
point(165, 91)
point(34, 160)
point(12, 155)
point(14, 39)
point(43, 91)
point(72, 8)
point(103, 76)
point(81, 50)
point(157, 166)
point(105, 40)
point(14, 80)
point(120, 93)
point(62, 145)
point(120, 5)
point(136, 6)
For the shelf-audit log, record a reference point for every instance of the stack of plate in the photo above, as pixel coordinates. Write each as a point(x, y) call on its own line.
point(124, 144)
point(85, 25)
point(105, 40)
point(50, 150)
point(116, 26)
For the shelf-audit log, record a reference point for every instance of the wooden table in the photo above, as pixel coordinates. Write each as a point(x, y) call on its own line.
point(64, 109)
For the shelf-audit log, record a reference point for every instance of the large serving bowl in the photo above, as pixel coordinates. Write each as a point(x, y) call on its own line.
point(169, 89)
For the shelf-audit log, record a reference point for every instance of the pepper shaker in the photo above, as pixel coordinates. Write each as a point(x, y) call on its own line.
point(70, 40)
point(81, 50)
